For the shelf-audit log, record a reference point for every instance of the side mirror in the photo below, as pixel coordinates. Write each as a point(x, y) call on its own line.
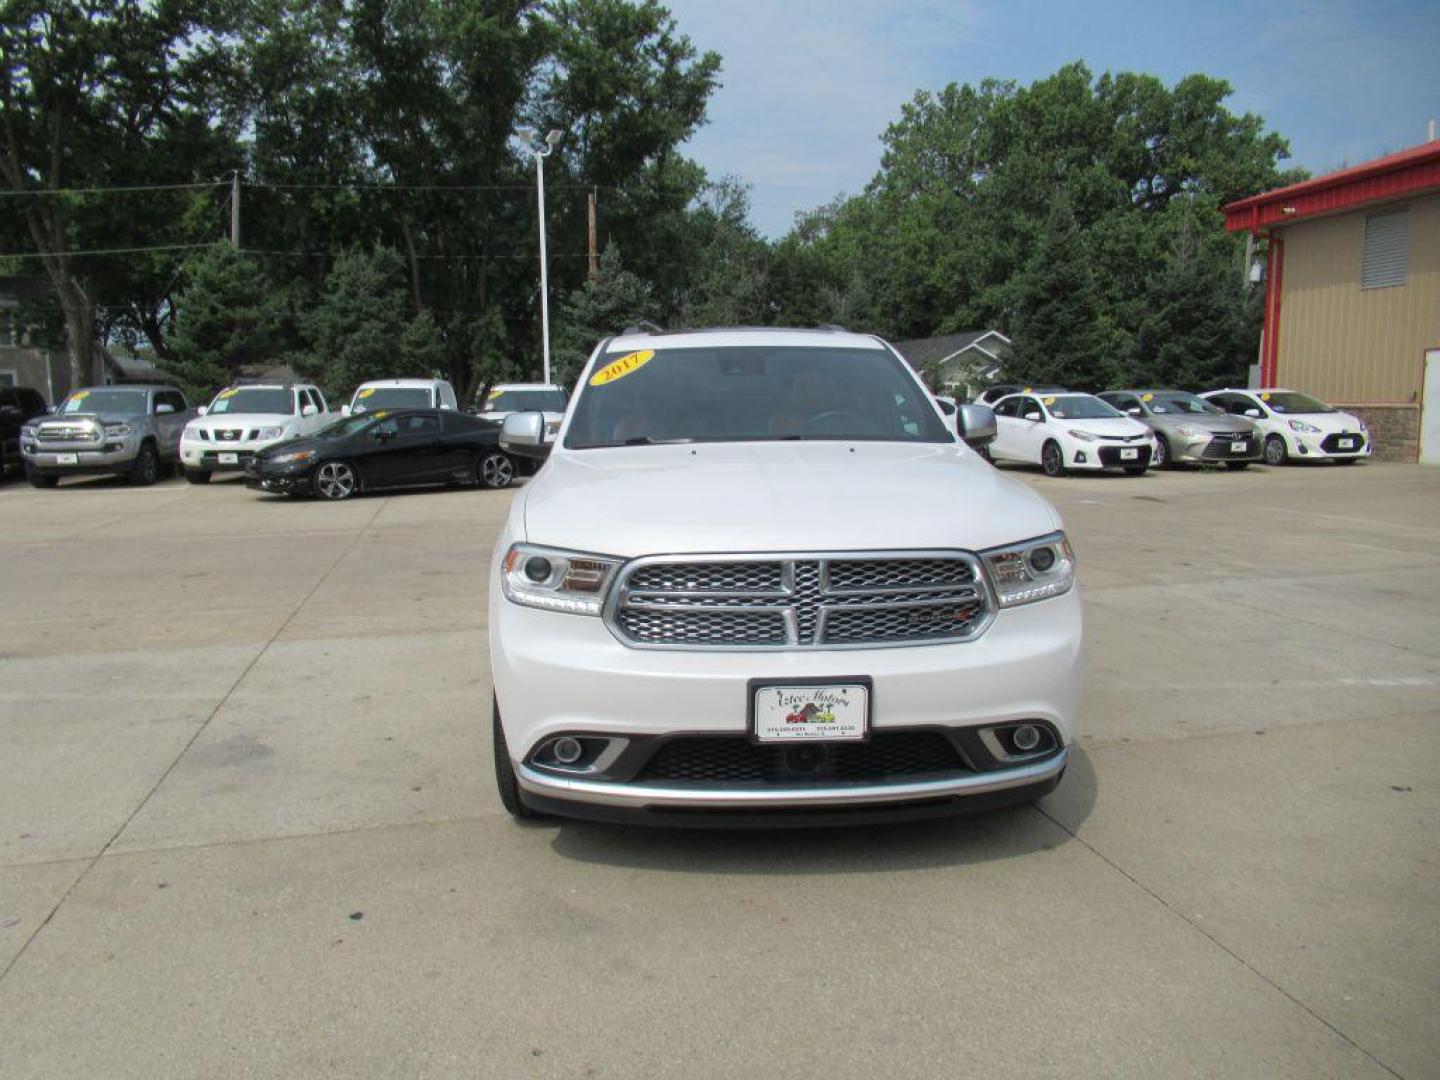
point(202, 410)
point(344, 410)
point(523, 434)
point(976, 425)
point(1256, 413)
point(309, 410)
point(164, 409)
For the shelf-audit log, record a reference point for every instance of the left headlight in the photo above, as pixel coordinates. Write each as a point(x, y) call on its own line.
point(1034, 570)
point(1302, 426)
point(117, 429)
point(292, 458)
point(270, 433)
point(1185, 431)
point(556, 580)
point(1083, 436)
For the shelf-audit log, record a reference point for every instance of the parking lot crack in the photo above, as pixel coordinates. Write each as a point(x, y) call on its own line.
point(199, 730)
point(1203, 932)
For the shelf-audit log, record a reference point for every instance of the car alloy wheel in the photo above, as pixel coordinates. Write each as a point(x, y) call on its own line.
point(1275, 452)
point(335, 480)
point(496, 470)
point(1052, 460)
point(146, 468)
point(1162, 452)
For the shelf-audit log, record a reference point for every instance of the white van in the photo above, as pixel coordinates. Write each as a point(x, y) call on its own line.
point(401, 394)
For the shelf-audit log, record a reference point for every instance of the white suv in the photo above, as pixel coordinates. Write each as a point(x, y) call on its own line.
point(401, 394)
point(506, 398)
point(758, 579)
point(245, 419)
point(1296, 426)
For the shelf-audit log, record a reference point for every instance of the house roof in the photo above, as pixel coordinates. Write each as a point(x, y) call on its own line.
point(1392, 176)
point(922, 351)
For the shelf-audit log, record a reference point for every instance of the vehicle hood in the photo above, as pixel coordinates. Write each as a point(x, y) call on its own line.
point(240, 420)
point(1328, 423)
point(777, 496)
point(1226, 424)
point(1112, 425)
point(82, 419)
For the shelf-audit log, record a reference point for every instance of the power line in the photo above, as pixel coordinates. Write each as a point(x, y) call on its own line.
point(103, 251)
point(16, 192)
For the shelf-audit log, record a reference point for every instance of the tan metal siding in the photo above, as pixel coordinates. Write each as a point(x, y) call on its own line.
point(1344, 343)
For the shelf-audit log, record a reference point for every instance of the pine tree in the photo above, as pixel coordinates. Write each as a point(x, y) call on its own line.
point(608, 301)
point(226, 320)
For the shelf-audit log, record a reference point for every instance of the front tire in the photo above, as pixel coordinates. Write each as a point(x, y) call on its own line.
point(495, 470)
point(505, 782)
point(1162, 452)
point(197, 476)
point(1276, 452)
point(1052, 459)
point(336, 480)
point(36, 480)
point(146, 469)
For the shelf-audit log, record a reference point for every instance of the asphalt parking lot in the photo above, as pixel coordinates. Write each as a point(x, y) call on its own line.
point(247, 826)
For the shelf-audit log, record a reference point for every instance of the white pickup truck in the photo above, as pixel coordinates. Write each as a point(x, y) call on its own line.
point(760, 579)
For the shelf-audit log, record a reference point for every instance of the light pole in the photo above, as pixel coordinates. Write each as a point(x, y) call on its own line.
point(542, 150)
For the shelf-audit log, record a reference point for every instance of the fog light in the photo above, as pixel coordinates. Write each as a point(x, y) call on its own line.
point(567, 751)
point(1080, 458)
point(1026, 737)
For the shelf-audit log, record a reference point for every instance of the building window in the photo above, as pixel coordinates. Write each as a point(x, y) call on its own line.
point(1387, 250)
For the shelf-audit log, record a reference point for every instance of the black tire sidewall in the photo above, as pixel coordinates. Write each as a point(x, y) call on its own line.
point(505, 782)
point(146, 469)
point(1059, 455)
point(1162, 452)
point(480, 470)
point(1279, 459)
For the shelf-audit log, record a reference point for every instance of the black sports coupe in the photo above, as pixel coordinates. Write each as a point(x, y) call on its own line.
point(386, 449)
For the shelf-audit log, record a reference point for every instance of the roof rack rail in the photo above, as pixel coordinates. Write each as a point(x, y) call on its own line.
point(644, 326)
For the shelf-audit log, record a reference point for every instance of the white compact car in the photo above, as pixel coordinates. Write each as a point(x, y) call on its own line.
point(1295, 425)
point(401, 394)
point(506, 398)
point(759, 580)
point(245, 419)
point(1060, 432)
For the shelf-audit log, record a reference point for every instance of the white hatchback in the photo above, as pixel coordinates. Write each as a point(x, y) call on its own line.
point(1061, 432)
point(1296, 426)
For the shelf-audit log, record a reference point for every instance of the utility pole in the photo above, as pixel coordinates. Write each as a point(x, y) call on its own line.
point(235, 209)
point(590, 210)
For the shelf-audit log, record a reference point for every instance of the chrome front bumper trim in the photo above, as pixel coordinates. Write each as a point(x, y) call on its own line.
point(637, 796)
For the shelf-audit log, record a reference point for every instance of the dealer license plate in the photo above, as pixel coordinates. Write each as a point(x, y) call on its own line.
point(1237, 448)
point(1129, 455)
point(68, 459)
point(834, 712)
point(229, 459)
point(1347, 444)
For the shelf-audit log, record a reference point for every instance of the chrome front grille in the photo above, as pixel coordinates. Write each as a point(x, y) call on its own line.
point(85, 432)
point(799, 601)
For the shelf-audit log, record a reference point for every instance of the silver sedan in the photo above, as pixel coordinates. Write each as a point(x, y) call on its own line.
point(1188, 429)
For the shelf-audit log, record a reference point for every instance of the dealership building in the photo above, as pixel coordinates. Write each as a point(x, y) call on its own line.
point(1352, 294)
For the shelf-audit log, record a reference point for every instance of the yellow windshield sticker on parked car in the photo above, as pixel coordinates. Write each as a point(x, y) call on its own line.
point(226, 394)
point(1264, 397)
point(80, 395)
point(494, 394)
point(1049, 401)
point(618, 369)
point(1147, 397)
point(367, 393)
point(1027, 390)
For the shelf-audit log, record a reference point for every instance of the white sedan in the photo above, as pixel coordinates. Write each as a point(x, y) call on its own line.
point(1060, 432)
point(1295, 425)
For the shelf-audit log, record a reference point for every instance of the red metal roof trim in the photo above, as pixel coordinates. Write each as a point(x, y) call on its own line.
point(1388, 177)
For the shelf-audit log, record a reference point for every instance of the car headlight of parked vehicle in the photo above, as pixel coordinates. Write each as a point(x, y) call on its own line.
point(294, 458)
point(117, 429)
point(1083, 436)
point(556, 580)
point(270, 433)
point(1304, 428)
point(1034, 570)
point(1185, 431)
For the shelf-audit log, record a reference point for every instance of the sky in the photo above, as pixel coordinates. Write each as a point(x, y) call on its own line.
point(809, 86)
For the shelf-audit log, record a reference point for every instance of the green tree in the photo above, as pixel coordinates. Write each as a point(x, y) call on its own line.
point(608, 301)
point(727, 280)
point(227, 318)
point(361, 326)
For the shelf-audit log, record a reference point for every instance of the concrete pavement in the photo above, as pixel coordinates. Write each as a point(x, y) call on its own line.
point(247, 826)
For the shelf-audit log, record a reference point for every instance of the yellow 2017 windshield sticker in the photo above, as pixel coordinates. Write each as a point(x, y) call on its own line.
point(367, 393)
point(493, 395)
point(1264, 397)
point(226, 394)
point(1147, 397)
point(1049, 401)
point(618, 369)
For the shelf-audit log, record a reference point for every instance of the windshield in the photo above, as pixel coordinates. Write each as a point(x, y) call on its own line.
point(752, 393)
point(525, 401)
point(106, 402)
point(1178, 402)
point(1080, 407)
point(391, 397)
point(251, 400)
point(351, 425)
point(1287, 402)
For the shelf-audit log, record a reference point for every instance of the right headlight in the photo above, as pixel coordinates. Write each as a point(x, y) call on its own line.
point(1185, 431)
point(556, 580)
point(1033, 570)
